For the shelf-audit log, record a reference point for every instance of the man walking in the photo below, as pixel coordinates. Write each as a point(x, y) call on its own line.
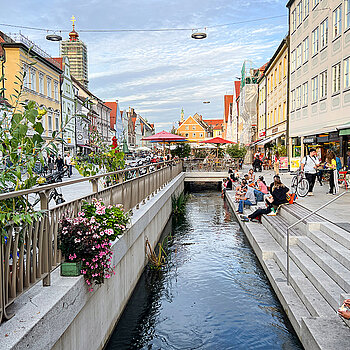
point(68, 162)
point(309, 165)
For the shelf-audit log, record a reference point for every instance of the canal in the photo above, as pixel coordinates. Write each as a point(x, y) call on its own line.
point(212, 292)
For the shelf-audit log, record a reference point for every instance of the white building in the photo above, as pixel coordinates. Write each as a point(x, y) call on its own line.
point(319, 100)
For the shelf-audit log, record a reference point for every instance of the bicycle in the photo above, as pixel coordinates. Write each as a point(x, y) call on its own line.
point(299, 184)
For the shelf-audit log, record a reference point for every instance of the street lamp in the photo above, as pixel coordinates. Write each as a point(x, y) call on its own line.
point(53, 37)
point(205, 102)
point(198, 35)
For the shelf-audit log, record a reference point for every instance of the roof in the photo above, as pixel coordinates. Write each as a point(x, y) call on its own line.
point(290, 3)
point(59, 60)
point(213, 121)
point(228, 99)
point(217, 127)
point(237, 88)
point(113, 115)
point(280, 47)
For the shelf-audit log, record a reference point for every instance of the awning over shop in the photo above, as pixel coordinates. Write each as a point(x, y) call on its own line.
point(344, 132)
point(272, 138)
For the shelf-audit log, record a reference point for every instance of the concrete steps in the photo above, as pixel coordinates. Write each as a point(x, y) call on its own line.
point(319, 273)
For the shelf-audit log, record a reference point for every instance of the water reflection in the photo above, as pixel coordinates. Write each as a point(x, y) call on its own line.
point(212, 294)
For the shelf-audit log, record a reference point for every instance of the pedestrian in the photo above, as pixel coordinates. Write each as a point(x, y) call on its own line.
point(348, 161)
point(276, 163)
point(249, 199)
point(257, 164)
point(278, 196)
point(68, 161)
point(50, 163)
point(59, 163)
point(331, 167)
point(309, 166)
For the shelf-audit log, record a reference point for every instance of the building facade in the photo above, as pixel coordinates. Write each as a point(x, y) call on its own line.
point(194, 129)
point(67, 106)
point(76, 51)
point(41, 78)
point(319, 77)
point(276, 78)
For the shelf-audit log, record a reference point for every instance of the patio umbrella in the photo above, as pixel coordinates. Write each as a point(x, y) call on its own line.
point(165, 137)
point(143, 148)
point(218, 141)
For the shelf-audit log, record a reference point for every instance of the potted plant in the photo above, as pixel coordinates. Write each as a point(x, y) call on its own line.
point(85, 241)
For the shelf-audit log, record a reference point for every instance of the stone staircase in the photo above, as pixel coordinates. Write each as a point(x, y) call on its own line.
point(319, 273)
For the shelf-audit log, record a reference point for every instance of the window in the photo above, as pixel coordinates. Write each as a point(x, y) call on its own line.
point(337, 22)
point(293, 100)
point(298, 97)
point(274, 116)
point(306, 50)
point(315, 3)
point(293, 61)
point(186, 135)
point(306, 8)
point(49, 119)
point(200, 135)
point(347, 14)
point(284, 110)
point(25, 76)
point(299, 56)
point(194, 134)
point(57, 122)
point(299, 13)
point(193, 127)
point(41, 83)
point(323, 84)
point(324, 33)
point(49, 88)
point(346, 69)
point(279, 114)
point(315, 42)
point(336, 78)
point(56, 91)
point(32, 79)
point(275, 81)
point(271, 82)
point(186, 127)
point(305, 93)
point(314, 87)
point(280, 72)
point(294, 21)
point(285, 66)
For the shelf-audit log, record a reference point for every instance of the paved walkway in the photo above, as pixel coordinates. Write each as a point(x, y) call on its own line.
point(337, 212)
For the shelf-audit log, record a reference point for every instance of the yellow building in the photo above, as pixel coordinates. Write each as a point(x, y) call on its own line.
point(276, 74)
point(41, 82)
point(194, 128)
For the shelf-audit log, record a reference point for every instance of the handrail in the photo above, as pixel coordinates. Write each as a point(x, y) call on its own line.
point(302, 219)
point(71, 182)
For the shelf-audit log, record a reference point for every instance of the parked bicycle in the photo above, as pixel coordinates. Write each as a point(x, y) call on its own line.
point(299, 184)
point(54, 194)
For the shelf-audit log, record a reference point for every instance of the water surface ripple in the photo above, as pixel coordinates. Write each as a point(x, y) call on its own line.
point(212, 294)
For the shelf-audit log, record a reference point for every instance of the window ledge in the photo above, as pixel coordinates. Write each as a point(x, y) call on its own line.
point(323, 98)
point(336, 38)
point(336, 94)
point(314, 102)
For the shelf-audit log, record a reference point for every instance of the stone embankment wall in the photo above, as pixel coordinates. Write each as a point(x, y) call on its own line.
point(67, 316)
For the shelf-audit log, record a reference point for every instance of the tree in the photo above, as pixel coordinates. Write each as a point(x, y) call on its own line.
point(182, 150)
point(236, 151)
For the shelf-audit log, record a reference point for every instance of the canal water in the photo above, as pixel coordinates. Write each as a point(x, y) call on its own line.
point(211, 294)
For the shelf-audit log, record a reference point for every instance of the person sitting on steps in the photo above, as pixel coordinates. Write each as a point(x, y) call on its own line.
point(278, 196)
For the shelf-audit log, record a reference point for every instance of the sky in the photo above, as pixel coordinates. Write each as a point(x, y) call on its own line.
point(159, 73)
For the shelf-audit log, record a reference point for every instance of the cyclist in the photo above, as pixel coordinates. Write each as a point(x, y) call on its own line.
point(309, 165)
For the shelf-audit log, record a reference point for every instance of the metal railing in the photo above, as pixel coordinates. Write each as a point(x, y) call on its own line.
point(29, 253)
point(301, 220)
point(208, 165)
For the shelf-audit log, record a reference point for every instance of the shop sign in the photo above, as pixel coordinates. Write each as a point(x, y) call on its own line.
point(294, 163)
point(262, 133)
point(322, 138)
point(333, 136)
point(308, 140)
point(283, 162)
point(274, 130)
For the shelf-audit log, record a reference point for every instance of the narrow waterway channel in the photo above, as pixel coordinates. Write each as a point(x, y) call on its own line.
point(212, 293)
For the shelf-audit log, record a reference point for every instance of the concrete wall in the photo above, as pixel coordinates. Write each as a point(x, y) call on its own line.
point(67, 316)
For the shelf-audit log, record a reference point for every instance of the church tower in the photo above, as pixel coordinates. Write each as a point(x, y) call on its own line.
point(182, 116)
point(76, 51)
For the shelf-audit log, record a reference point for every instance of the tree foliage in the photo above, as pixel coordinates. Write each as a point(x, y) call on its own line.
point(182, 150)
point(236, 151)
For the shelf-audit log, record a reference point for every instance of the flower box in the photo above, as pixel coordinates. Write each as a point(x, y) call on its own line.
point(71, 269)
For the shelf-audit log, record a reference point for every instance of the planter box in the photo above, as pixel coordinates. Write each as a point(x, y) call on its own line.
point(70, 269)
